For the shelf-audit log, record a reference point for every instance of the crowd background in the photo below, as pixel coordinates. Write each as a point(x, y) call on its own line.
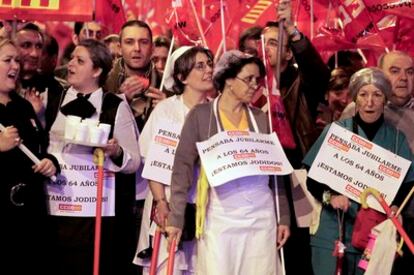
point(126, 48)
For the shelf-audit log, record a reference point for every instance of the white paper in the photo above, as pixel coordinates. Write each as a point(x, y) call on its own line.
point(74, 192)
point(160, 157)
point(230, 155)
point(349, 163)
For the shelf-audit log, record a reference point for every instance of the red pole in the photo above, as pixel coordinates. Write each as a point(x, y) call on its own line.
point(387, 210)
point(99, 159)
point(171, 258)
point(397, 224)
point(155, 252)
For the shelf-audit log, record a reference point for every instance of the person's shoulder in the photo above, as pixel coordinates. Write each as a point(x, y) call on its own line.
point(203, 108)
point(23, 104)
point(200, 112)
point(257, 111)
point(167, 105)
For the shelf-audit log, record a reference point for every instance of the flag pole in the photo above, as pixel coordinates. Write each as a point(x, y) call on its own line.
point(223, 26)
point(269, 113)
point(312, 18)
point(168, 61)
point(200, 29)
point(99, 158)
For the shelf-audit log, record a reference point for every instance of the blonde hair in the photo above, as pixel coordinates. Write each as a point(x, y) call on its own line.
point(6, 41)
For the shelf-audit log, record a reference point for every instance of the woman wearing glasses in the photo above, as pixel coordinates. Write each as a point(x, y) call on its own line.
point(240, 222)
point(189, 76)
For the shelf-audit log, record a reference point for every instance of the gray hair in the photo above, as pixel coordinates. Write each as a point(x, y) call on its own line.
point(369, 76)
point(230, 64)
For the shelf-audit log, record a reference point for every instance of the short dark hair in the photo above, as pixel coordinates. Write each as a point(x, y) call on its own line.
point(249, 33)
point(135, 23)
point(162, 41)
point(272, 24)
point(100, 56)
point(233, 68)
point(184, 64)
point(30, 27)
point(350, 60)
point(339, 80)
point(78, 27)
point(33, 28)
point(51, 46)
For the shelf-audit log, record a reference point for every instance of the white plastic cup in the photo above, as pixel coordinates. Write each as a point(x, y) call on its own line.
point(91, 122)
point(106, 129)
point(96, 135)
point(82, 134)
point(71, 126)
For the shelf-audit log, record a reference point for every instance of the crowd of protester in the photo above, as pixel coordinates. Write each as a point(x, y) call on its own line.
point(131, 82)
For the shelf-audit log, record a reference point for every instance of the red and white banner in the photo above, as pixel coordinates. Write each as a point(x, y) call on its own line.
point(57, 10)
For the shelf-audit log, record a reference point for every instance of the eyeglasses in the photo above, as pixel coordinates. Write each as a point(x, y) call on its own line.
point(251, 81)
point(202, 66)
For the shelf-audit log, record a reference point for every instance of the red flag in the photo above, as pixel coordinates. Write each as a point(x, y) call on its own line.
point(183, 21)
point(57, 10)
point(131, 9)
point(301, 11)
point(213, 32)
point(404, 8)
point(111, 14)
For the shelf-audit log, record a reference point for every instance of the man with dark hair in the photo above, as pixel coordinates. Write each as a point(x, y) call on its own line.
point(249, 40)
point(136, 77)
point(35, 87)
point(302, 87)
point(133, 74)
point(81, 31)
point(160, 52)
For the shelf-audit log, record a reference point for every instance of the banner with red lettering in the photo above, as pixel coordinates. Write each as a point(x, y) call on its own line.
point(57, 10)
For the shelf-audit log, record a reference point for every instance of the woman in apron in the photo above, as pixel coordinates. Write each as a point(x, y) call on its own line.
point(189, 75)
point(240, 222)
point(72, 199)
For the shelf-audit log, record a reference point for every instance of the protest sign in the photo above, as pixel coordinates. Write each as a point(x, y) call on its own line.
point(349, 163)
point(160, 157)
point(74, 192)
point(229, 155)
